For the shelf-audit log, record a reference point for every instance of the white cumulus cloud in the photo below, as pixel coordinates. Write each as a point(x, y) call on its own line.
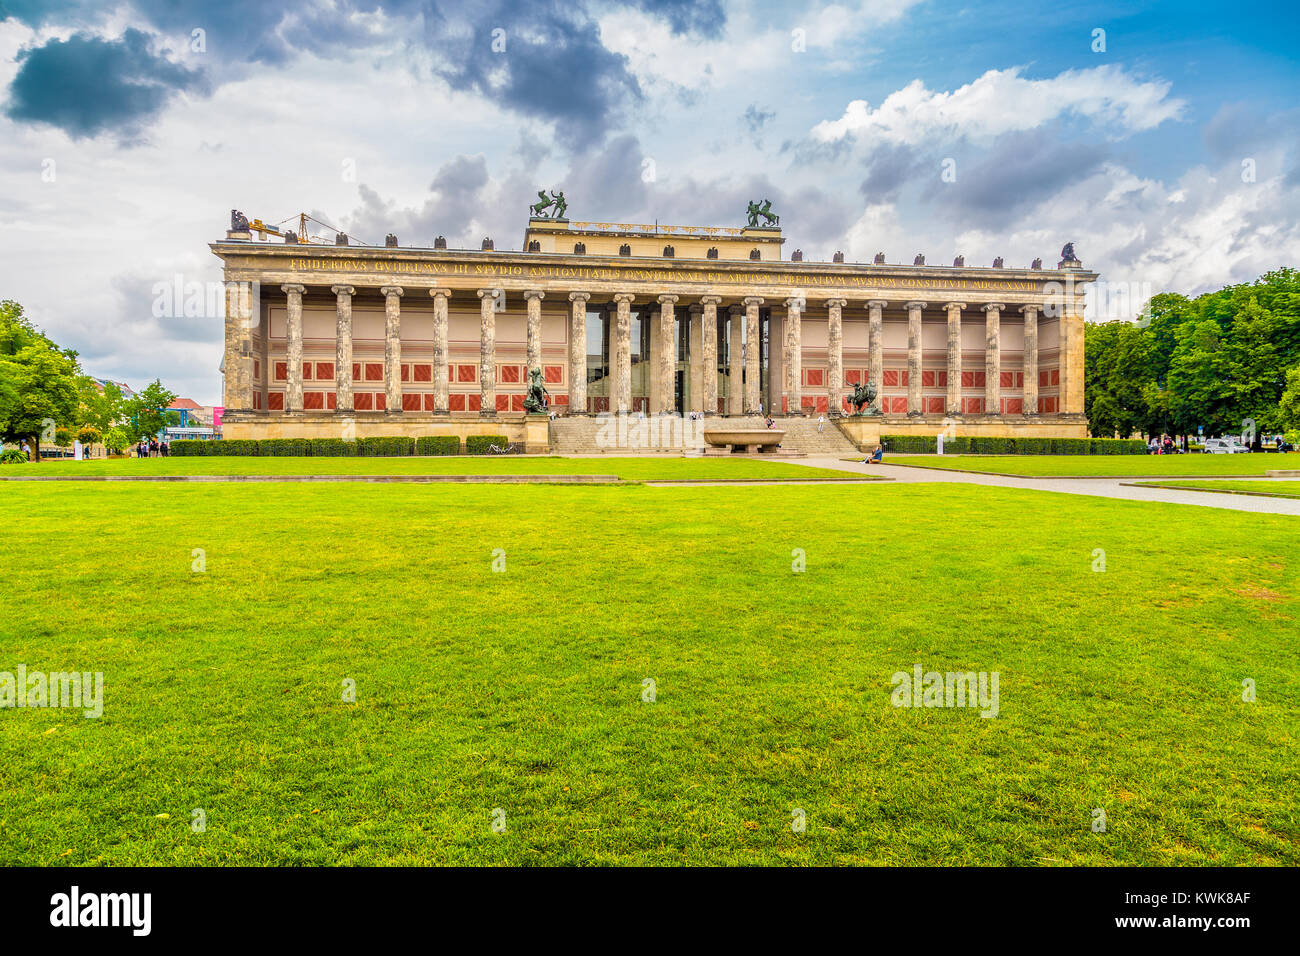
point(1003, 101)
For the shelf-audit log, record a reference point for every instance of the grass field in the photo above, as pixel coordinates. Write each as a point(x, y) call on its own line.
point(1276, 489)
point(1102, 466)
point(634, 469)
point(521, 691)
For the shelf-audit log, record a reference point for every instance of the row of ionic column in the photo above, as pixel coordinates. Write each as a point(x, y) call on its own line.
point(703, 358)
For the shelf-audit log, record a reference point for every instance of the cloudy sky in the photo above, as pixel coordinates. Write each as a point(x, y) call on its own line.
point(1163, 139)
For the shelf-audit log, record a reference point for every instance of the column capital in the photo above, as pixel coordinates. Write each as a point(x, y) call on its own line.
point(736, 309)
point(915, 305)
point(1026, 309)
point(293, 288)
point(796, 302)
point(342, 290)
point(624, 298)
point(876, 303)
point(954, 305)
point(443, 293)
point(667, 299)
point(695, 308)
point(714, 300)
point(753, 300)
point(832, 303)
point(993, 306)
point(579, 296)
point(530, 294)
point(391, 290)
point(488, 293)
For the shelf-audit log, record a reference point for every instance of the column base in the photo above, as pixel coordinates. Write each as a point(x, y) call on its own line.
point(393, 411)
point(487, 414)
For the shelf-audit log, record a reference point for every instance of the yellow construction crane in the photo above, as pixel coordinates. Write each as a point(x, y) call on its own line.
point(301, 233)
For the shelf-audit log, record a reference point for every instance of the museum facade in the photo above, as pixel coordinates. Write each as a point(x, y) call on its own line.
point(329, 340)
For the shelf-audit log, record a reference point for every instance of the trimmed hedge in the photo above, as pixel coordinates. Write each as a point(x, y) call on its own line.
point(438, 445)
point(480, 444)
point(393, 447)
point(333, 448)
point(385, 447)
point(284, 447)
point(979, 445)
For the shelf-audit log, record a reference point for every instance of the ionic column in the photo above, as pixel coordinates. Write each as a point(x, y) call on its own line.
point(343, 348)
point(440, 370)
point(239, 346)
point(835, 356)
point(621, 400)
point(694, 357)
point(753, 375)
point(993, 358)
point(794, 359)
point(487, 347)
point(293, 348)
point(914, 406)
point(709, 348)
point(392, 348)
point(1071, 393)
point(952, 405)
point(654, 371)
point(1030, 402)
point(533, 358)
point(578, 353)
point(876, 348)
point(667, 353)
point(735, 364)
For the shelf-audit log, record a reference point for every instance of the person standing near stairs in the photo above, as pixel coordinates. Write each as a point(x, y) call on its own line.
point(821, 421)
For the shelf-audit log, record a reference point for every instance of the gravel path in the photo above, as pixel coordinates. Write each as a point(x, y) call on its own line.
point(1098, 487)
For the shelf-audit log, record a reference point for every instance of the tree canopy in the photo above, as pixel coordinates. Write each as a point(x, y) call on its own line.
point(1212, 361)
point(38, 380)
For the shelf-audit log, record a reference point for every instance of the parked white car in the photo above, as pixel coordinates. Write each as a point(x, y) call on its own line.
point(1224, 446)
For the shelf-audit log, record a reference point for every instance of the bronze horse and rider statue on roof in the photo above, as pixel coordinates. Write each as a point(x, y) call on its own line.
point(764, 209)
point(554, 202)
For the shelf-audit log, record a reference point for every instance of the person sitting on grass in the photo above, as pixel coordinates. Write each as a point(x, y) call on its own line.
point(877, 456)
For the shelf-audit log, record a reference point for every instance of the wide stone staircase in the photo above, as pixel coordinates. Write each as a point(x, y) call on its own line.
point(669, 435)
point(801, 435)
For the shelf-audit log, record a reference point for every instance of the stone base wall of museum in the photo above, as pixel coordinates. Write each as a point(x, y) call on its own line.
point(866, 432)
point(532, 431)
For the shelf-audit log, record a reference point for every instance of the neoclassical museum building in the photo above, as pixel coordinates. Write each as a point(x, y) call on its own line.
point(328, 340)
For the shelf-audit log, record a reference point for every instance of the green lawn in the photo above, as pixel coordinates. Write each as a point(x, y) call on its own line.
point(1277, 489)
point(1102, 466)
point(522, 690)
point(635, 469)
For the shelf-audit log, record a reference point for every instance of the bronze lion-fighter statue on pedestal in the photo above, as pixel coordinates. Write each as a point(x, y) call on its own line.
point(863, 399)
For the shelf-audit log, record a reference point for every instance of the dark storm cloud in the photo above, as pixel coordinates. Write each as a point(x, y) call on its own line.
point(463, 205)
point(610, 182)
point(542, 60)
point(1019, 171)
point(889, 168)
point(86, 84)
point(704, 17)
point(555, 66)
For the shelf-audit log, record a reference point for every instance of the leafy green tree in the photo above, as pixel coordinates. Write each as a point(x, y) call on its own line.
point(1117, 368)
point(146, 411)
point(115, 440)
point(38, 380)
point(101, 408)
point(1288, 411)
